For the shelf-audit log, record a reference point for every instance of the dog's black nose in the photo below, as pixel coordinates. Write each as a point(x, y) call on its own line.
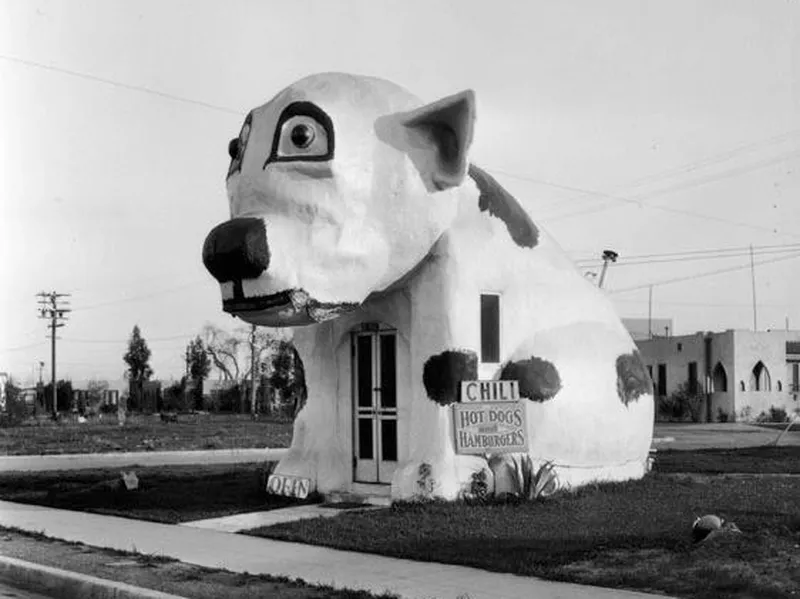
point(237, 250)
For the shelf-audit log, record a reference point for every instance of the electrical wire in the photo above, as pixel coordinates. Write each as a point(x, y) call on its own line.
point(647, 259)
point(136, 298)
point(148, 340)
point(21, 347)
point(119, 84)
point(702, 275)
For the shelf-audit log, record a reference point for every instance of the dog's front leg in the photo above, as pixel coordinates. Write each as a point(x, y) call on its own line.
point(318, 451)
point(442, 356)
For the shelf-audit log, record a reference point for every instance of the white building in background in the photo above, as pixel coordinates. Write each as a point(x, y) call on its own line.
point(647, 328)
point(743, 373)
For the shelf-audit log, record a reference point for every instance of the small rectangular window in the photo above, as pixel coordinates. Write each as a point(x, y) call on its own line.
point(490, 328)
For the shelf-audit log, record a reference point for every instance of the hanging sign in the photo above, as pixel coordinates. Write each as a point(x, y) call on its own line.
point(490, 418)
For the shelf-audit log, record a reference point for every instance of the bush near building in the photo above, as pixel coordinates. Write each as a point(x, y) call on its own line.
point(682, 404)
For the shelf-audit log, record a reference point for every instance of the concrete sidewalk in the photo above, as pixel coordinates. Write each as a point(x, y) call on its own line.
point(251, 520)
point(77, 461)
point(314, 565)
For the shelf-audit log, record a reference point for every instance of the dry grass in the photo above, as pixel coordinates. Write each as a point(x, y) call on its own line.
point(145, 433)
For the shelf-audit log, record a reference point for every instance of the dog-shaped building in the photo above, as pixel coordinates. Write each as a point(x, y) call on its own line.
point(357, 218)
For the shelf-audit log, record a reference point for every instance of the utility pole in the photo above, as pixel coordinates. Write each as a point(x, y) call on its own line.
point(53, 308)
point(753, 282)
point(608, 256)
point(253, 371)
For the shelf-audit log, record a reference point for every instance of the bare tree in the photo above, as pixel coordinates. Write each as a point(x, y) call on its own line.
point(231, 356)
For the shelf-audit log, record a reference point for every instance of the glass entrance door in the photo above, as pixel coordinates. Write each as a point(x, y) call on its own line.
point(375, 406)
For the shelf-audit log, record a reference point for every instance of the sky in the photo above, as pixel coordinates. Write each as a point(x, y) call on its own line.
point(667, 131)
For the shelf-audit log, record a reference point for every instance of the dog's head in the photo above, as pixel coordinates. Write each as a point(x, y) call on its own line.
point(338, 187)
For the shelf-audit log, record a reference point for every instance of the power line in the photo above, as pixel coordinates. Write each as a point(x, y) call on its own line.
point(640, 199)
point(21, 347)
point(136, 298)
point(119, 84)
point(150, 340)
point(633, 261)
point(703, 274)
point(714, 158)
point(701, 304)
point(669, 173)
point(744, 248)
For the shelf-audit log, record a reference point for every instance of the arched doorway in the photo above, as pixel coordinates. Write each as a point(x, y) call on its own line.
point(720, 378)
point(759, 378)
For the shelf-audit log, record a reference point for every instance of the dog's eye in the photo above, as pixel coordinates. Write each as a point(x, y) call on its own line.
point(304, 133)
point(233, 148)
point(302, 138)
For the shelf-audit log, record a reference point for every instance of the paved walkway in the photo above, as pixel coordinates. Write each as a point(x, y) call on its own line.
point(251, 520)
point(77, 461)
point(315, 565)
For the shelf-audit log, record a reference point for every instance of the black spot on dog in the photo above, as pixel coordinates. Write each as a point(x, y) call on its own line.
point(633, 379)
point(442, 374)
point(504, 206)
point(538, 379)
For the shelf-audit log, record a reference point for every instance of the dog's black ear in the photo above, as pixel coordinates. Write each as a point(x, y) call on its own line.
point(448, 124)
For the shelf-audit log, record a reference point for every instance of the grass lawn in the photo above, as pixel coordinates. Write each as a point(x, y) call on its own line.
point(168, 494)
point(158, 573)
point(629, 535)
point(145, 433)
point(779, 426)
point(766, 459)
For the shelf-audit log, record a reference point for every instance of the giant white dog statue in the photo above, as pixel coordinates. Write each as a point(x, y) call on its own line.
point(353, 205)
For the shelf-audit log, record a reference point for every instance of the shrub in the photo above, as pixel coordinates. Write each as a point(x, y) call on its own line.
point(722, 416)
point(226, 399)
point(775, 414)
point(16, 410)
point(176, 399)
point(683, 403)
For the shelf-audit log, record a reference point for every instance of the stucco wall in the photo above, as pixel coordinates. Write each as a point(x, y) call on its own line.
point(738, 351)
point(676, 353)
point(770, 348)
point(723, 350)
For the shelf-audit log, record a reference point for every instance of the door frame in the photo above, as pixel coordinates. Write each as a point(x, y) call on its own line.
point(383, 469)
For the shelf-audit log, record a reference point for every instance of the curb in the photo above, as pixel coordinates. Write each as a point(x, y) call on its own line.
point(70, 585)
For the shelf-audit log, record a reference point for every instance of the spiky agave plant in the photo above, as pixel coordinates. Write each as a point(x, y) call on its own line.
point(543, 483)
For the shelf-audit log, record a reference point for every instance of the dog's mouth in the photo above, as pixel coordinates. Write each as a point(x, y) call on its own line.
point(293, 307)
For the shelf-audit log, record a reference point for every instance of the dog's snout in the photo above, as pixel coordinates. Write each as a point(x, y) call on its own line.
point(237, 250)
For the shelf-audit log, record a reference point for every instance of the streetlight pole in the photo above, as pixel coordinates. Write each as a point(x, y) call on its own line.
point(608, 256)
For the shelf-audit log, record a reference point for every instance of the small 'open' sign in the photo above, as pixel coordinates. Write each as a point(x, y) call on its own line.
point(288, 486)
